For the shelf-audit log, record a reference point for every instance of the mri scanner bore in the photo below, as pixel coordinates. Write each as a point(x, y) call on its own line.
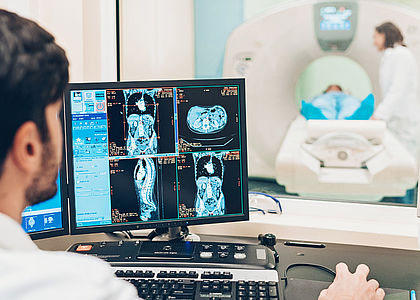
point(340, 156)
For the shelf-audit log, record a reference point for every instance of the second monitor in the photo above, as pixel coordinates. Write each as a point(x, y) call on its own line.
point(156, 154)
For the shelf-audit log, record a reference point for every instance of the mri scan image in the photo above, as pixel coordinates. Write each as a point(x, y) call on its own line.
point(209, 198)
point(141, 117)
point(205, 120)
point(144, 183)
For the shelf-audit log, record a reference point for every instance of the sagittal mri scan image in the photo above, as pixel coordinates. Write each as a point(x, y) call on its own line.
point(209, 170)
point(144, 183)
point(141, 117)
point(205, 120)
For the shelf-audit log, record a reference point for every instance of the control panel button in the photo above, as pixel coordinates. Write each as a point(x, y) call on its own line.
point(239, 255)
point(206, 255)
point(207, 247)
point(223, 247)
point(240, 248)
point(223, 254)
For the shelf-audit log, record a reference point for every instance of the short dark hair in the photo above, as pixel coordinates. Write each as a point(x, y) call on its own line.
point(33, 74)
point(392, 34)
point(333, 85)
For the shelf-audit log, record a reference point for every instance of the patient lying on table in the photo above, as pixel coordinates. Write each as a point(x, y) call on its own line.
point(334, 104)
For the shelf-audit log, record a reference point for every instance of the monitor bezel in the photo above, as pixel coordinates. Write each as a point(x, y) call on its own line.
point(165, 223)
point(64, 230)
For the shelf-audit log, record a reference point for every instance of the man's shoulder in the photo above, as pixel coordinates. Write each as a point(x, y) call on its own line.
point(65, 263)
point(47, 272)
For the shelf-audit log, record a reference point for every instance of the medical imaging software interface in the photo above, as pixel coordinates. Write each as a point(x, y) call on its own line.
point(152, 154)
point(44, 216)
point(335, 18)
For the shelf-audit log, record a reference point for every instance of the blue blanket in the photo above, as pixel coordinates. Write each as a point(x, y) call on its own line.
point(338, 106)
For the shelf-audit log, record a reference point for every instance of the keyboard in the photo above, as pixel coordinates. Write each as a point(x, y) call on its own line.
point(158, 283)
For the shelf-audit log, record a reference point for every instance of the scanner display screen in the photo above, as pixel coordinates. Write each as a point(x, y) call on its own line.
point(335, 18)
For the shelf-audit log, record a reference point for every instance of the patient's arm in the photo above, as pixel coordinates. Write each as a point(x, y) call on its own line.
point(348, 286)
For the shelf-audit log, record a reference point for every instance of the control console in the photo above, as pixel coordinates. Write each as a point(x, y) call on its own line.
point(228, 255)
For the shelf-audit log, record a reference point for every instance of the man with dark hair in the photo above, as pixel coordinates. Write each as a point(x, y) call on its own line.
point(33, 75)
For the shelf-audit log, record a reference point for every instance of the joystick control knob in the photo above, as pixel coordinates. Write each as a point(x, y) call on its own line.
point(267, 239)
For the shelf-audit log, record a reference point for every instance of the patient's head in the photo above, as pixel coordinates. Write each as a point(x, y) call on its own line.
point(333, 88)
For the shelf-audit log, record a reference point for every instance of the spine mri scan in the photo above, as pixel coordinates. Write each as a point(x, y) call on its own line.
point(142, 139)
point(144, 179)
point(209, 169)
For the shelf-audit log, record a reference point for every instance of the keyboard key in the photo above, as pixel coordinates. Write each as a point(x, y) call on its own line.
point(149, 274)
point(242, 293)
point(262, 294)
point(162, 274)
point(272, 291)
point(173, 274)
point(182, 274)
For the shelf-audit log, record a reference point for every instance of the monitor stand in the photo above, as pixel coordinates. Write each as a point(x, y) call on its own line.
point(174, 234)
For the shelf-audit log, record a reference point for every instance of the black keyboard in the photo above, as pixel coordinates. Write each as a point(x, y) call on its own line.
point(202, 283)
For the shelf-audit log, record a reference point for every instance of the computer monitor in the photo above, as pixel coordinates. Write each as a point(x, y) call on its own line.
point(49, 218)
point(156, 154)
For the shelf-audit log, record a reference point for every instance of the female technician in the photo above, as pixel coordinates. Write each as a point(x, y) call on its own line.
point(398, 80)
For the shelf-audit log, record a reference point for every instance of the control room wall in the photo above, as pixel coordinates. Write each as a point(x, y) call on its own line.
point(85, 29)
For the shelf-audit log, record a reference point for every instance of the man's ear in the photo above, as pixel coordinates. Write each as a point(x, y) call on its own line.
point(26, 151)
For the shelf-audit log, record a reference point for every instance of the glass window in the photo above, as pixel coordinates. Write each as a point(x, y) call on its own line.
point(314, 87)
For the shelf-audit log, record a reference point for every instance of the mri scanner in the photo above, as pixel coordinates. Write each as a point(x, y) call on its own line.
point(340, 158)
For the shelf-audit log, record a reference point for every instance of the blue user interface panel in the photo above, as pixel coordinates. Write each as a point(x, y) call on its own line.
point(156, 154)
point(44, 216)
point(335, 18)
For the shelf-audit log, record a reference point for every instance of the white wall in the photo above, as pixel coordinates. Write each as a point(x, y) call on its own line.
point(85, 29)
point(157, 39)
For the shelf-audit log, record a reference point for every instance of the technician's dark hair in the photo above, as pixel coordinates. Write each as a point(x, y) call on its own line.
point(33, 74)
point(392, 34)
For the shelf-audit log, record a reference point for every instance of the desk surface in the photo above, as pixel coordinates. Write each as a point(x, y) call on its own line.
point(393, 268)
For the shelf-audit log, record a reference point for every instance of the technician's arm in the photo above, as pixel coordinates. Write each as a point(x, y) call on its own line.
point(348, 286)
point(397, 91)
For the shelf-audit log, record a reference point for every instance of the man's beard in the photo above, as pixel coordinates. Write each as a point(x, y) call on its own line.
point(44, 186)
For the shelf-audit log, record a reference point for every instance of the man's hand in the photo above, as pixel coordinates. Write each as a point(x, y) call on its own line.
point(348, 286)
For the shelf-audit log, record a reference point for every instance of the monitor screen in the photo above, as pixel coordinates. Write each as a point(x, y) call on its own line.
point(156, 154)
point(335, 18)
point(48, 218)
